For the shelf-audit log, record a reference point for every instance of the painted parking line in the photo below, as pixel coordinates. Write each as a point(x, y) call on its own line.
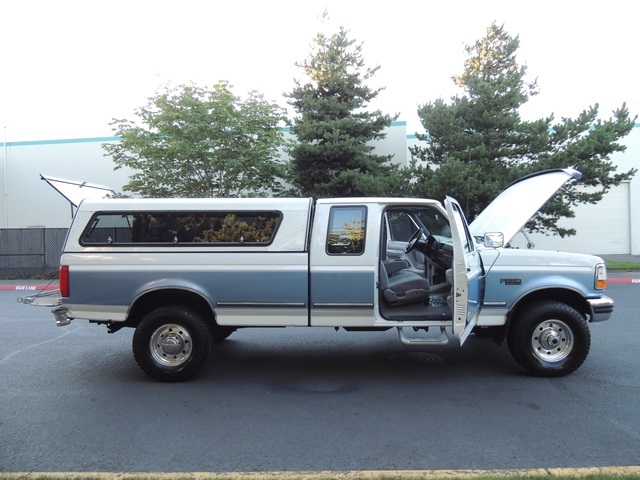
point(28, 288)
point(624, 280)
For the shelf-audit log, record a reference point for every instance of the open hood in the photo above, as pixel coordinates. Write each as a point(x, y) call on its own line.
point(76, 191)
point(520, 201)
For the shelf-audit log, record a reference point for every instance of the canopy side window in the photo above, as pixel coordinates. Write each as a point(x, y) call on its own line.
point(182, 228)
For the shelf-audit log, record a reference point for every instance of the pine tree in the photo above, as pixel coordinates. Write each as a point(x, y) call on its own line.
point(331, 154)
point(477, 144)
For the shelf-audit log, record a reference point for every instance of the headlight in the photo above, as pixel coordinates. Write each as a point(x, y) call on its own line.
point(601, 277)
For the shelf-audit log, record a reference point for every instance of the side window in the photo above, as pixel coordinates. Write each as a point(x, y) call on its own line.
point(467, 241)
point(347, 226)
point(183, 228)
point(435, 222)
point(401, 227)
point(108, 229)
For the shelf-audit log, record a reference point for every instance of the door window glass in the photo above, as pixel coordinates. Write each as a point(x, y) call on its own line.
point(346, 230)
point(401, 227)
point(467, 240)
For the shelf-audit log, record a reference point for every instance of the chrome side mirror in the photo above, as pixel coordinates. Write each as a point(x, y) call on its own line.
point(494, 240)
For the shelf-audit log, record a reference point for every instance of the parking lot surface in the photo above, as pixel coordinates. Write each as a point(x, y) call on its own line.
point(302, 399)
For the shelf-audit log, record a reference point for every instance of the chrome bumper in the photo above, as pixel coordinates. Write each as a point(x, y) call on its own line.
point(601, 308)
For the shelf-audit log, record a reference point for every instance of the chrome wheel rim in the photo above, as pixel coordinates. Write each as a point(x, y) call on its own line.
point(171, 345)
point(552, 341)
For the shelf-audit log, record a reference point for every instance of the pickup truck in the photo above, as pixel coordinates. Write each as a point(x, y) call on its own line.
point(187, 273)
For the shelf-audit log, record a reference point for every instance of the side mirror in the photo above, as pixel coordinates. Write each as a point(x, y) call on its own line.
point(494, 240)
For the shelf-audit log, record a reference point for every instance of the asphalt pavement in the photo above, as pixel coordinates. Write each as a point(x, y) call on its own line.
point(312, 400)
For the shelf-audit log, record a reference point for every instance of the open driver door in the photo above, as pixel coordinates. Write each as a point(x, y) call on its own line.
point(468, 274)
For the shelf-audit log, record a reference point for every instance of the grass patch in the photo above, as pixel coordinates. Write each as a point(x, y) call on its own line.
point(620, 266)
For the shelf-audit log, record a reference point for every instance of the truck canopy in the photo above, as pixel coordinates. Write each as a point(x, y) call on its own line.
point(75, 191)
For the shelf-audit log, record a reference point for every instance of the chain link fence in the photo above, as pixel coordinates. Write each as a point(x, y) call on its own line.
point(30, 252)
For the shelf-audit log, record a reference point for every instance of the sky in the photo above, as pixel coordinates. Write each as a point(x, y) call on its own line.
point(70, 67)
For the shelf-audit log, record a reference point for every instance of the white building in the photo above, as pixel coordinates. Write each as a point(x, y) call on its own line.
point(610, 227)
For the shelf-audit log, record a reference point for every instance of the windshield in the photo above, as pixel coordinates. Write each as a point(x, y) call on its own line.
point(434, 222)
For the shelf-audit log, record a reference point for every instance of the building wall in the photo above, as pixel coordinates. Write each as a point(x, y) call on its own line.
point(27, 201)
point(611, 226)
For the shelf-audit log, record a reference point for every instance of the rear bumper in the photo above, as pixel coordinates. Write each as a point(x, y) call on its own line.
point(601, 308)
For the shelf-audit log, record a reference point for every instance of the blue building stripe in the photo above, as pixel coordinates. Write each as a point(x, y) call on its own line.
point(63, 141)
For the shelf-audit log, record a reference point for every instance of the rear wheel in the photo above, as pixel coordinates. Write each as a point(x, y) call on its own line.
point(550, 339)
point(171, 344)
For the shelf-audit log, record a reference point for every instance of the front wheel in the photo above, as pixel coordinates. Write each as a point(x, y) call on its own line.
point(550, 339)
point(171, 344)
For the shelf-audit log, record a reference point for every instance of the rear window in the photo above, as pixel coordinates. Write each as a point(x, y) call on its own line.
point(182, 228)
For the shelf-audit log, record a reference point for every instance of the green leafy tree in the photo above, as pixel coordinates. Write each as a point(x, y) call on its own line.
point(332, 153)
point(192, 141)
point(477, 143)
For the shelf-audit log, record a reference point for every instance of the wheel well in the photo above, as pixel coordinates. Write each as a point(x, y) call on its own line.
point(157, 298)
point(570, 297)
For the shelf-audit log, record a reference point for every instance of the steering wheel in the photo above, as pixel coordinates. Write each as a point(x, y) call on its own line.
point(433, 250)
point(431, 246)
point(413, 241)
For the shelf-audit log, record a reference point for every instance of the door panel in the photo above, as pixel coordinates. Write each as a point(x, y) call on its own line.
point(467, 274)
point(343, 264)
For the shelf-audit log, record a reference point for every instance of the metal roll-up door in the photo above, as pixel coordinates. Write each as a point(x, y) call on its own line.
point(602, 229)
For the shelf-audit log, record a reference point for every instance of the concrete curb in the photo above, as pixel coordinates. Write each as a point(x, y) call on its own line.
point(326, 475)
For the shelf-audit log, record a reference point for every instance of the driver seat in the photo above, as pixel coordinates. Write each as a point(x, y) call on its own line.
point(401, 286)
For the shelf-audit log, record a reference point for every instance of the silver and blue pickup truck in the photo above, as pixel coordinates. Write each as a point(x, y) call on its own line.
point(187, 273)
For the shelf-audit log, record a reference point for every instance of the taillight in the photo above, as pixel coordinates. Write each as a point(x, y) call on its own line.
point(64, 281)
point(601, 276)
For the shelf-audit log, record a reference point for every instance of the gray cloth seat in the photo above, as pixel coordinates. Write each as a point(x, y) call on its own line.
point(401, 286)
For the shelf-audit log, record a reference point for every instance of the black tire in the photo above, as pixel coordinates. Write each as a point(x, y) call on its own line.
point(550, 339)
point(171, 344)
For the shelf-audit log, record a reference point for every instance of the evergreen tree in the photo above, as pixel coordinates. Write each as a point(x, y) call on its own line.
point(477, 143)
point(331, 154)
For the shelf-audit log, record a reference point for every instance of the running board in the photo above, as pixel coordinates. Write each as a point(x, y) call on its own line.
point(443, 339)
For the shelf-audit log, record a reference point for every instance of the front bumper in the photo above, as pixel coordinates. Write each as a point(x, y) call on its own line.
point(601, 308)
